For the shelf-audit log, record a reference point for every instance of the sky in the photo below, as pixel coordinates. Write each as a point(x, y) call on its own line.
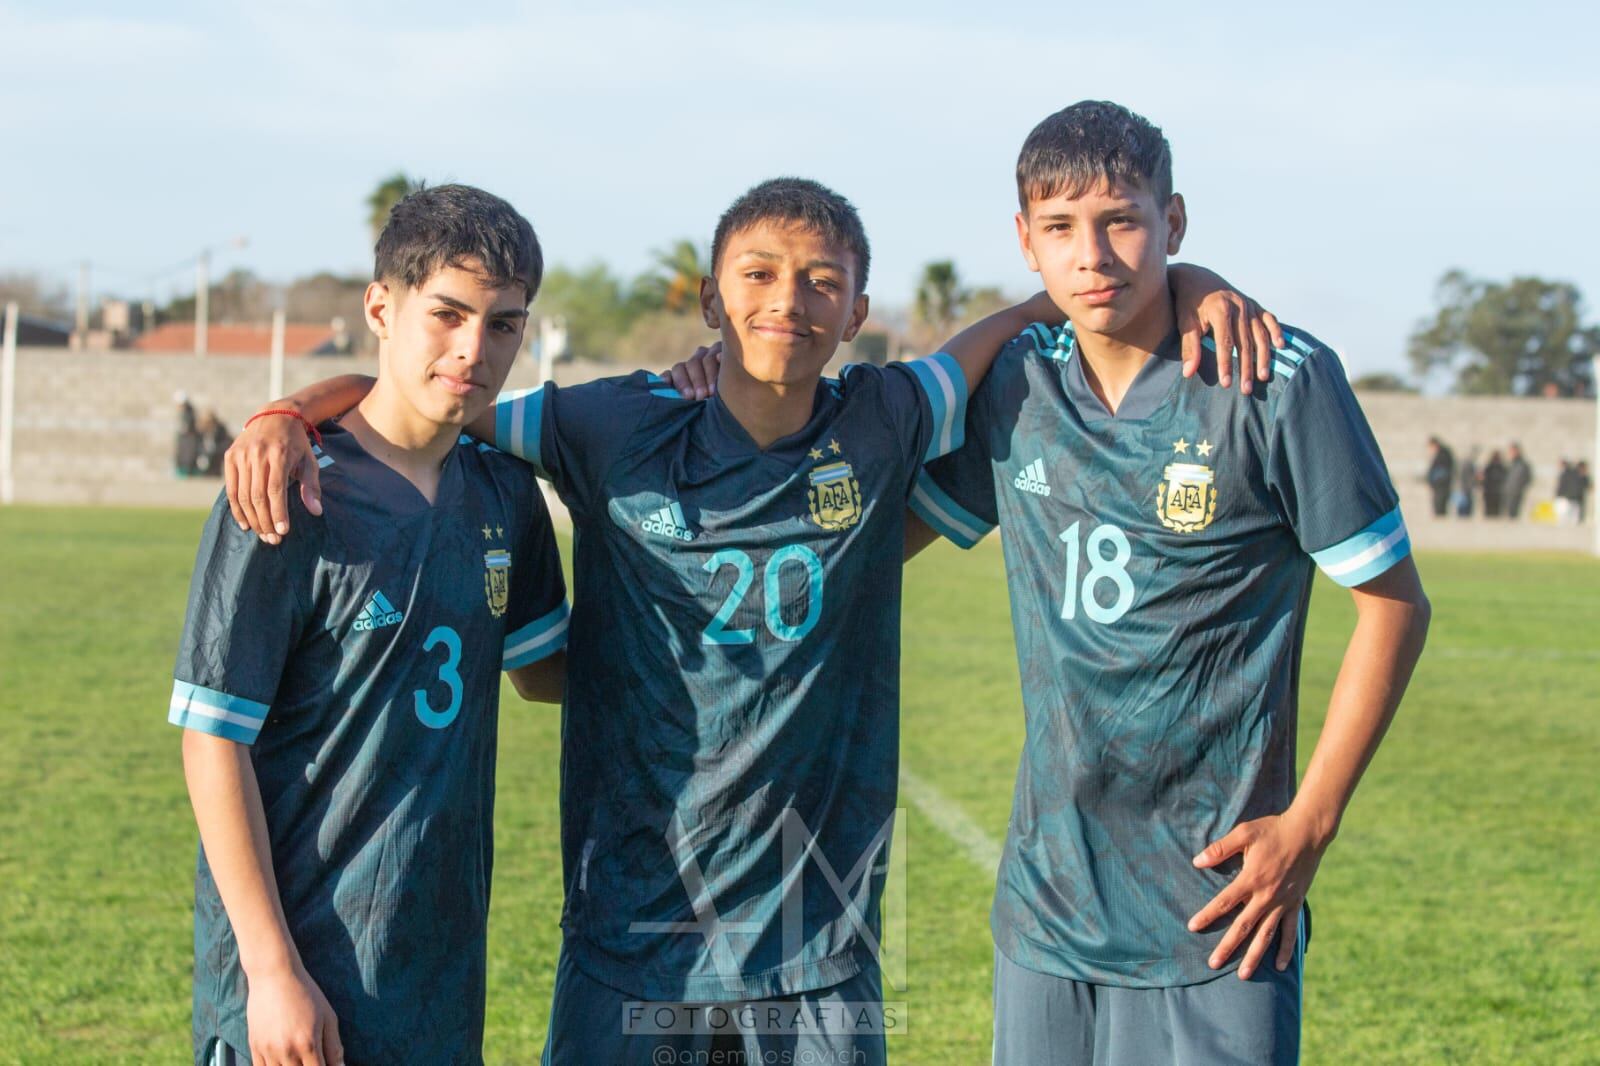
point(1335, 160)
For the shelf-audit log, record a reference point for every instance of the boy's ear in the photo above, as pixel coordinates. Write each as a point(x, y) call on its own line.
point(1025, 242)
point(379, 308)
point(708, 302)
point(1177, 223)
point(858, 317)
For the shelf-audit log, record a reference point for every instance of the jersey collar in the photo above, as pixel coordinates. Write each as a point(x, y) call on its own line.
point(1149, 390)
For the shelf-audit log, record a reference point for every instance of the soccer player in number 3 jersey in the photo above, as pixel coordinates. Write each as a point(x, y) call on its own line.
point(1159, 539)
point(339, 691)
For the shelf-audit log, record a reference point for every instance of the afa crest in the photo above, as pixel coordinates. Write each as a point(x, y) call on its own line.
point(835, 496)
point(1186, 500)
point(497, 580)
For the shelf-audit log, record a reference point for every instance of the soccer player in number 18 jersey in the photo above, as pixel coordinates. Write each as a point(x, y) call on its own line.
point(1159, 538)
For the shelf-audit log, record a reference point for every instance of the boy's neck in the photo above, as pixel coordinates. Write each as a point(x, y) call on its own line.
point(394, 433)
point(1111, 362)
point(767, 411)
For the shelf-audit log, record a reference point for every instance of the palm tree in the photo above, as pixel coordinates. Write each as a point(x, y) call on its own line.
point(674, 284)
point(390, 191)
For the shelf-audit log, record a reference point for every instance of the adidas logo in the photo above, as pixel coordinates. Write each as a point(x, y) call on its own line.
point(668, 522)
point(1032, 479)
point(378, 612)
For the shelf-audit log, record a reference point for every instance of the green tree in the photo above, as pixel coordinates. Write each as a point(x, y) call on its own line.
point(1382, 381)
point(673, 283)
point(597, 308)
point(940, 296)
point(1516, 337)
point(390, 191)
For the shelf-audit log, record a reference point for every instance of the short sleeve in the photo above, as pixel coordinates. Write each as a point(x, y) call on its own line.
point(1324, 466)
point(954, 494)
point(536, 615)
point(573, 435)
point(924, 401)
point(243, 619)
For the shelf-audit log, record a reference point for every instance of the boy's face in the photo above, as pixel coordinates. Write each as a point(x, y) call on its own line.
point(448, 344)
point(1103, 255)
point(784, 299)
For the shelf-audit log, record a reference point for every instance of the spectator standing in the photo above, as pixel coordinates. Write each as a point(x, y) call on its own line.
point(186, 448)
point(1494, 485)
point(1581, 484)
point(214, 440)
point(1441, 475)
point(1467, 477)
point(1566, 488)
point(1519, 475)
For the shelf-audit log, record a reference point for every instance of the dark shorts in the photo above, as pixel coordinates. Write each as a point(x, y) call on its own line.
point(217, 1053)
point(591, 1022)
point(1042, 1020)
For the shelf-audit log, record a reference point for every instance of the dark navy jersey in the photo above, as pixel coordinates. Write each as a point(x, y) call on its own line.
point(360, 661)
point(730, 732)
point(1159, 563)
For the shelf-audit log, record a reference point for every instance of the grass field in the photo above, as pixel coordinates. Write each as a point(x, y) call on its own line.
point(1457, 916)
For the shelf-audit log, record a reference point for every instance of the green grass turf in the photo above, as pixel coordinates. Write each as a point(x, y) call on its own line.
point(1457, 916)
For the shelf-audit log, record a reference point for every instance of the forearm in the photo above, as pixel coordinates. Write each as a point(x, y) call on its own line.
point(976, 346)
point(918, 536)
point(327, 399)
point(233, 832)
point(1378, 662)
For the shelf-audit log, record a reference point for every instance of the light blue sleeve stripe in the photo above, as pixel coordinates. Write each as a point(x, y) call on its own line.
point(538, 639)
point(947, 517)
point(209, 711)
point(518, 418)
point(1286, 369)
point(946, 387)
point(1289, 355)
point(1295, 341)
point(1360, 558)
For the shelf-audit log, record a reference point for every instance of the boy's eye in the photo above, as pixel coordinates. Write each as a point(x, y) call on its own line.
point(500, 325)
point(825, 284)
point(757, 275)
point(447, 316)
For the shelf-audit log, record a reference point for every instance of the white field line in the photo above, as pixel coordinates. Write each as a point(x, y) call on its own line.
point(978, 846)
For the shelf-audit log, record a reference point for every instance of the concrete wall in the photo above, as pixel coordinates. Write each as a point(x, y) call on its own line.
point(98, 427)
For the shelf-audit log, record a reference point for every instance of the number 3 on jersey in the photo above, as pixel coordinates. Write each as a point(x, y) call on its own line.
point(1101, 570)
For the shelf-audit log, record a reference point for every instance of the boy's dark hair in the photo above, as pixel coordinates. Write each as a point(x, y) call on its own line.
point(449, 224)
point(1093, 141)
point(805, 203)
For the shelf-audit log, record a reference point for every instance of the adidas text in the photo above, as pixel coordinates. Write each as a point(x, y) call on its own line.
point(1032, 479)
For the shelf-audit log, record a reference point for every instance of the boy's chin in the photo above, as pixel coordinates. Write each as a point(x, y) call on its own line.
point(784, 369)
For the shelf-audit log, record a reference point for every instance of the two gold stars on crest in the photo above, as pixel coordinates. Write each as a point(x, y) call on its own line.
point(833, 446)
point(499, 531)
point(1182, 446)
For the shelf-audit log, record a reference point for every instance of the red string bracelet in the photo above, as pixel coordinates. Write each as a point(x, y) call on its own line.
point(316, 438)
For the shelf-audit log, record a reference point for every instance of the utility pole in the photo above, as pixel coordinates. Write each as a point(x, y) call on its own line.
point(83, 304)
point(8, 400)
point(275, 373)
point(202, 300)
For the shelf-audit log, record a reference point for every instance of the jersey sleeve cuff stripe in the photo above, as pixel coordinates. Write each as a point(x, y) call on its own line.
point(518, 418)
point(537, 640)
point(210, 711)
point(1362, 557)
point(946, 387)
point(947, 517)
